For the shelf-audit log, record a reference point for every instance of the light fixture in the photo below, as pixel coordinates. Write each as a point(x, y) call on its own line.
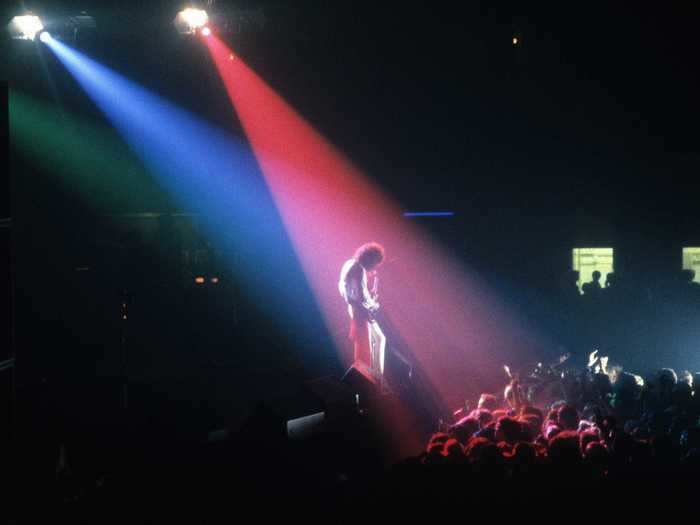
point(25, 27)
point(190, 19)
point(59, 27)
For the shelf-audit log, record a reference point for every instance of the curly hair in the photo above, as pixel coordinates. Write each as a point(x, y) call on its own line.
point(370, 255)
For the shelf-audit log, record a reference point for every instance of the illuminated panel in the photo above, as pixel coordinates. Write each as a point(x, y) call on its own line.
point(691, 261)
point(588, 260)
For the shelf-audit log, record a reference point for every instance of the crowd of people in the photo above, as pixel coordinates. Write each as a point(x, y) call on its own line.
point(607, 429)
point(643, 320)
point(600, 433)
point(683, 284)
point(590, 434)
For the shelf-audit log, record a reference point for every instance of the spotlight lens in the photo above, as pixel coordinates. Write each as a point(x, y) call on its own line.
point(195, 17)
point(26, 27)
point(206, 31)
point(189, 20)
point(44, 36)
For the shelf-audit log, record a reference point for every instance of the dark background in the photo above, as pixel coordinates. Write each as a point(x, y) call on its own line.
point(583, 134)
point(586, 128)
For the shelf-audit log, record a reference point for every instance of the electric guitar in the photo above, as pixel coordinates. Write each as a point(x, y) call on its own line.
point(374, 307)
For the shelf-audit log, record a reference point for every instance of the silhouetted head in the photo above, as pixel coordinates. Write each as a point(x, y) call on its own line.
point(370, 255)
point(686, 377)
point(595, 453)
point(564, 448)
point(453, 450)
point(524, 453)
point(481, 451)
point(464, 429)
point(488, 401)
point(532, 424)
point(508, 430)
point(550, 431)
point(438, 438)
point(667, 378)
point(533, 411)
point(596, 275)
point(482, 415)
point(568, 417)
point(682, 395)
point(587, 437)
point(610, 280)
point(696, 384)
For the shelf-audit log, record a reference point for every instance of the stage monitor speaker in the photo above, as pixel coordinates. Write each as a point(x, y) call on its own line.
point(362, 384)
point(303, 427)
point(326, 404)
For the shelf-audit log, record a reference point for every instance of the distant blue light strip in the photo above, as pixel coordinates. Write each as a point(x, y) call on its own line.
point(429, 214)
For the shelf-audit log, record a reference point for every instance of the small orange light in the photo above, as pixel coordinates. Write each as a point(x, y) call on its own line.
point(515, 40)
point(199, 280)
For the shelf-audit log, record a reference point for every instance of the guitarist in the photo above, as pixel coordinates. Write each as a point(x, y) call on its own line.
point(368, 339)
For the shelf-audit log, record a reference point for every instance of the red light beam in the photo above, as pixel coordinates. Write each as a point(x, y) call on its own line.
point(454, 325)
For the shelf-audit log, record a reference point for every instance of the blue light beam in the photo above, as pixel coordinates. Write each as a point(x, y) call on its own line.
point(212, 173)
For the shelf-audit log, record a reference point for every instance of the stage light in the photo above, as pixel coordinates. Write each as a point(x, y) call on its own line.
point(516, 40)
point(25, 27)
point(206, 31)
point(199, 280)
point(190, 19)
point(31, 27)
point(215, 280)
